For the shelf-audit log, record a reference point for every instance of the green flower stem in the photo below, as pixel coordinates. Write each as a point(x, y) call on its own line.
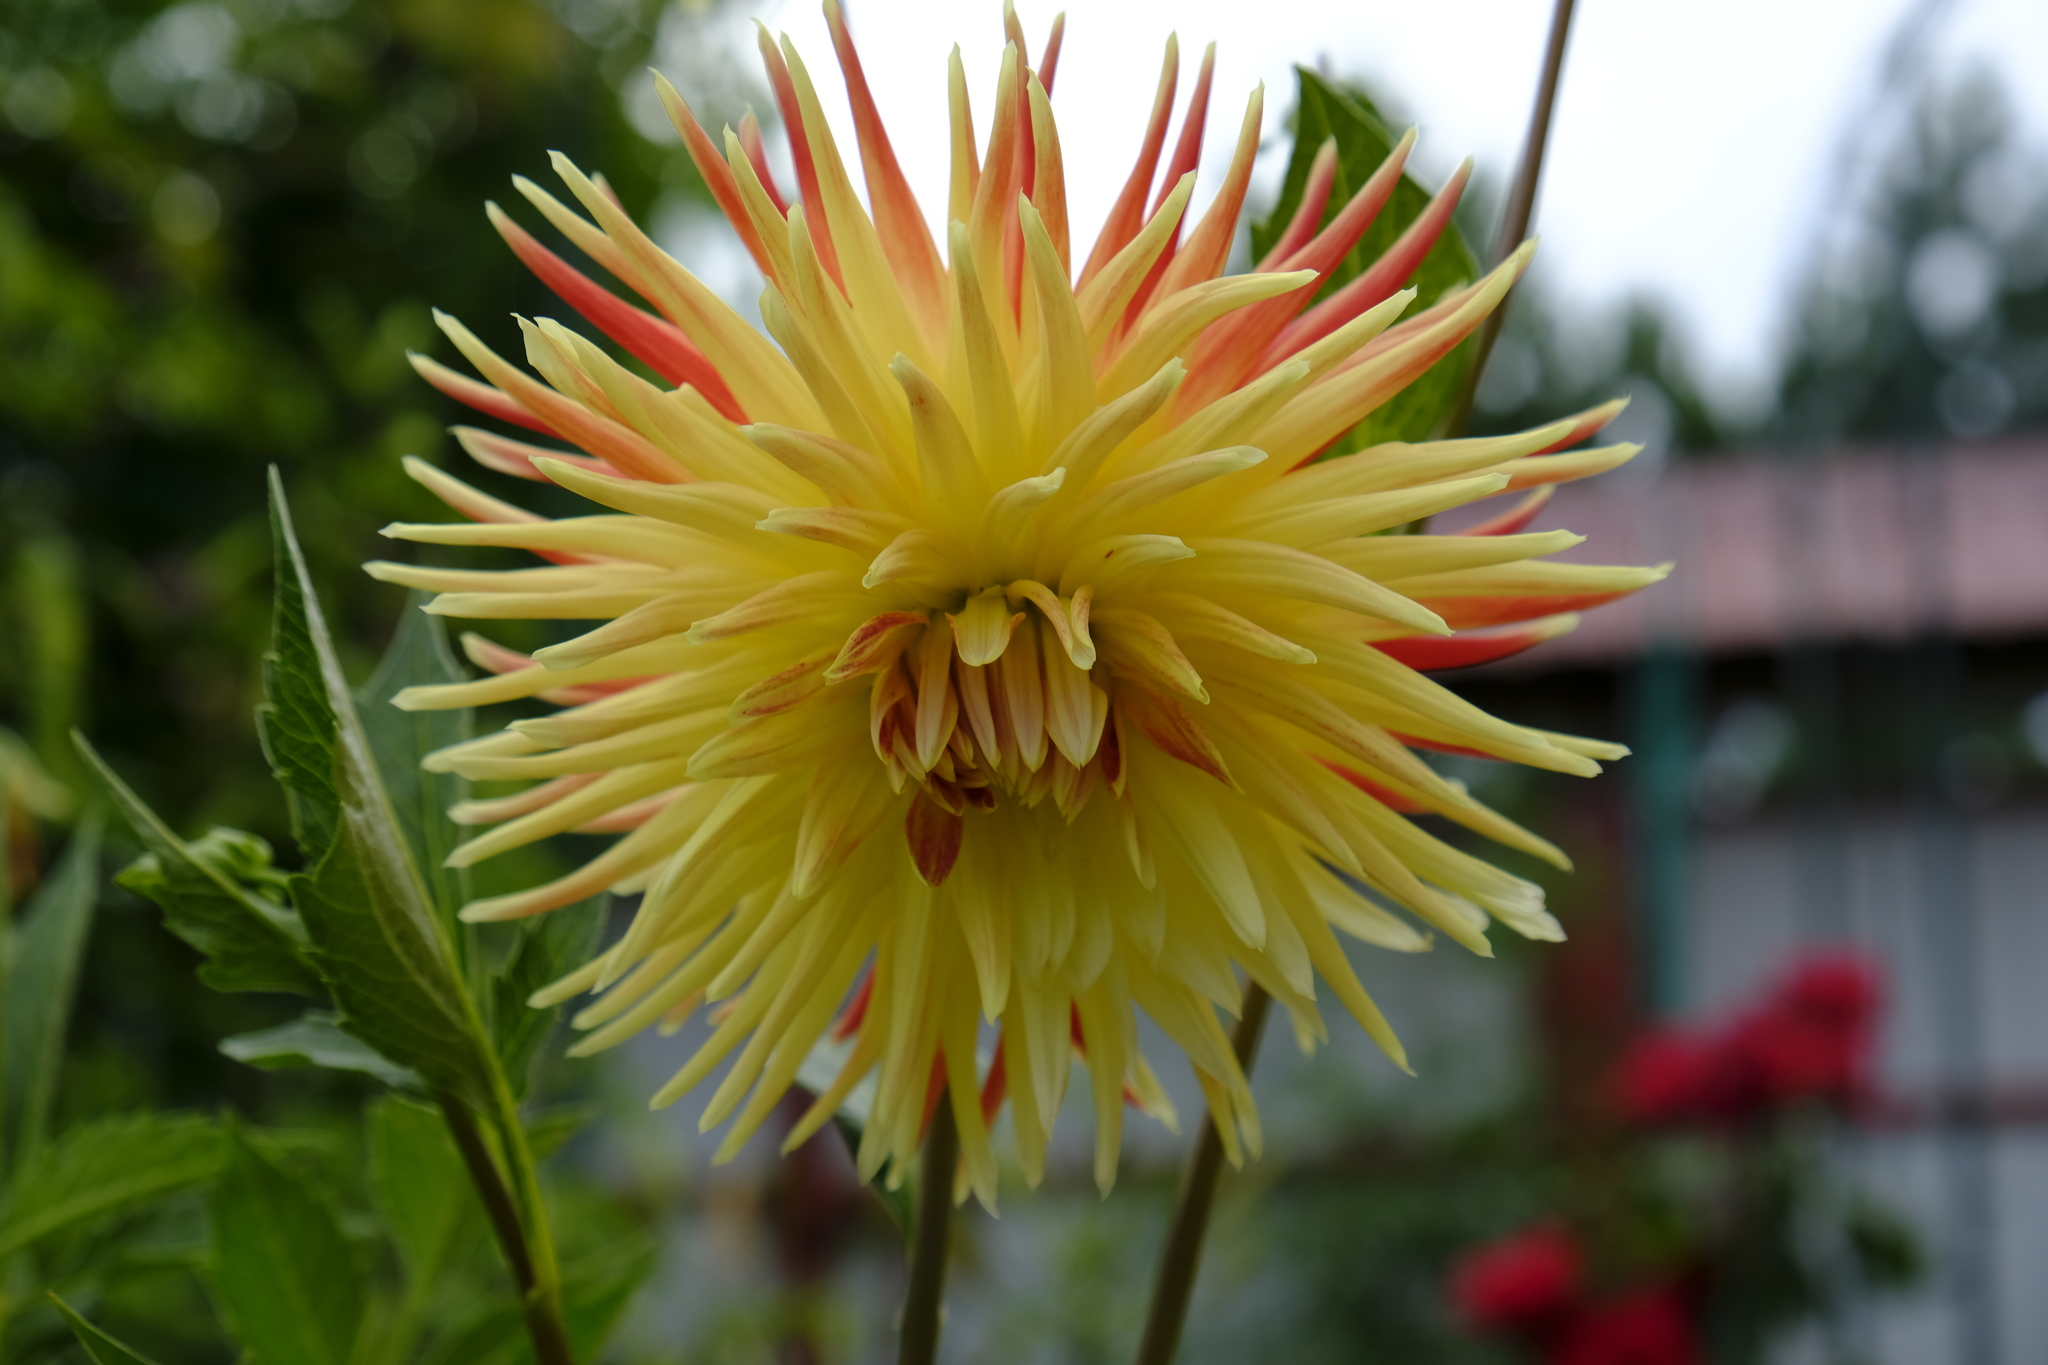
point(1182, 1257)
point(1521, 206)
point(527, 1242)
point(931, 1238)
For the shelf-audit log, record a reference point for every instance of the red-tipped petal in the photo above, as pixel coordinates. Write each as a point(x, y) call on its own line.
point(1050, 62)
point(906, 240)
point(1080, 1042)
point(800, 153)
point(516, 458)
point(1127, 215)
point(874, 644)
point(474, 394)
point(579, 693)
point(1187, 153)
point(1436, 747)
point(1586, 425)
point(614, 442)
point(1380, 281)
point(1470, 613)
point(1428, 653)
point(1208, 246)
point(718, 176)
point(995, 1087)
point(757, 154)
point(1391, 800)
point(1237, 348)
point(1514, 519)
point(856, 1011)
point(933, 1088)
point(1026, 180)
point(1013, 30)
point(480, 506)
point(655, 340)
point(630, 817)
point(1308, 214)
point(1178, 734)
point(493, 657)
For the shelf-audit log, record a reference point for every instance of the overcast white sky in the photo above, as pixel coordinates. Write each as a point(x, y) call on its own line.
point(1688, 157)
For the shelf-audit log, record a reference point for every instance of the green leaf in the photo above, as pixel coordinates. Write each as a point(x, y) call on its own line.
point(382, 950)
point(821, 1067)
point(418, 1180)
point(595, 1292)
point(898, 1201)
point(547, 947)
point(315, 1039)
point(103, 1349)
point(104, 1168)
point(549, 1130)
point(42, 978)
point(285, 1279)
point(419, 656)
point(219, 894)
point(1322, 111)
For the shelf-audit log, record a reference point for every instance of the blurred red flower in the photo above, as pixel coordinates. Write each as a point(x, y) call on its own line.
point(1649, 1327)
point(1819, 1030)
point(1665, 1077)
point(1521, 1283)
point(1811, 1038)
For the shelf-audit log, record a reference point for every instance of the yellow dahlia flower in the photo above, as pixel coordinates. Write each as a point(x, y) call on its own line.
point(984, 642)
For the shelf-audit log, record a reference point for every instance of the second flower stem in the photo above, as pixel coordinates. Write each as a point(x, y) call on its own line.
point(1181, 1258)
point(931, 1240)
point(1521, 206)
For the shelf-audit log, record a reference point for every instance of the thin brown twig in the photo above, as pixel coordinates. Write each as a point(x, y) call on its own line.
point(542, 1311)
point(1520, 208)
point(1181, 1258)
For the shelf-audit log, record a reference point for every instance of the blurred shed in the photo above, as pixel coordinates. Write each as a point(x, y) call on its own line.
point(1840, 726)
point(1856, 546)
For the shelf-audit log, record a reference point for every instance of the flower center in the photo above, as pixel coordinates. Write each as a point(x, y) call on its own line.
point(996, 700)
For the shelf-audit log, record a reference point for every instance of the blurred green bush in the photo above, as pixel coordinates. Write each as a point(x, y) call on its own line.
point(222, 225)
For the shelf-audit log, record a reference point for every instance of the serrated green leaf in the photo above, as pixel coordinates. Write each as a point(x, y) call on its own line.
point(104, 1349)
point(382, 950)
point(104, 1168)
point(42, 978)
point(1324, 110)
point(283, 1275)
point(547, 947)
point(219, 894)
point(315, 1039)
point(418, 1180)
point(419, 656)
